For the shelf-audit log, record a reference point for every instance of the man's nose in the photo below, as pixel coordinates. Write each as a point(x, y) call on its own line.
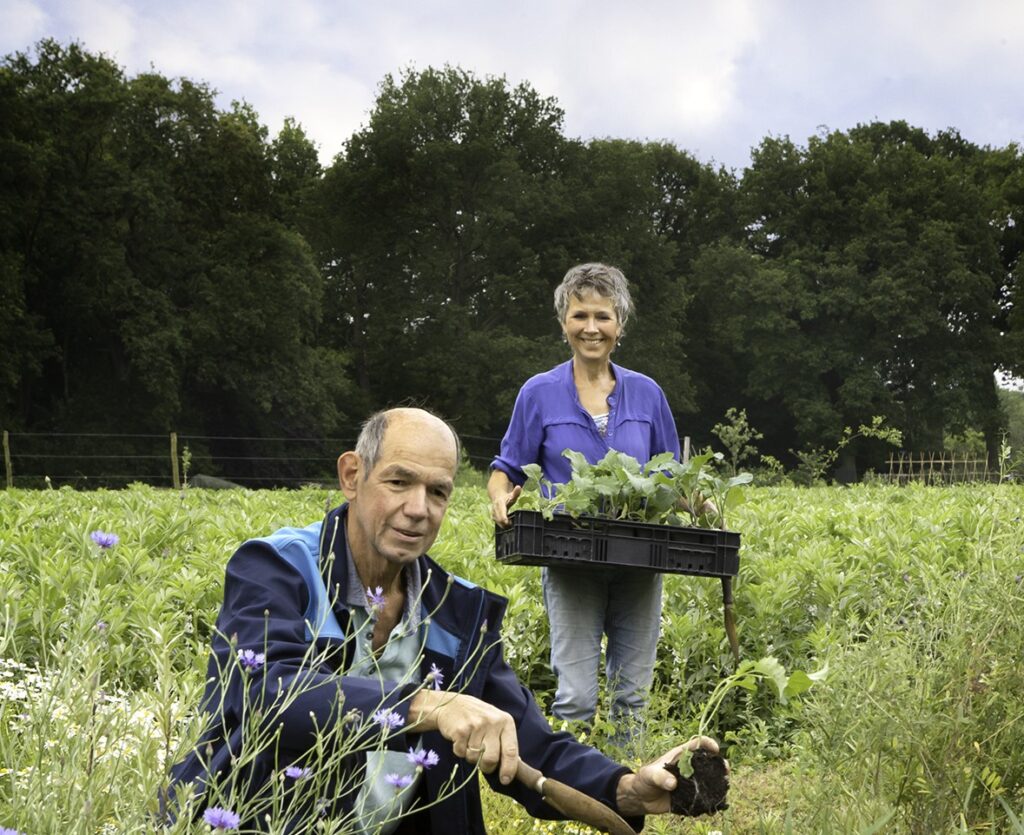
point(416, 502)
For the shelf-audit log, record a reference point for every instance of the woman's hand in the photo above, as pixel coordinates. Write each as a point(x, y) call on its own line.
point(503, 495)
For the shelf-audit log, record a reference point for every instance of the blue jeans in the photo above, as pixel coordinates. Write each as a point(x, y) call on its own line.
point(582, 604)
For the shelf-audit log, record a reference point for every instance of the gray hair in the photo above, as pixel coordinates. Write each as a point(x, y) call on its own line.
point(371, 438)
point(602, 279)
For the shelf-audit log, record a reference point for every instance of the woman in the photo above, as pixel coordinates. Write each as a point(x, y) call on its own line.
point(590, 405)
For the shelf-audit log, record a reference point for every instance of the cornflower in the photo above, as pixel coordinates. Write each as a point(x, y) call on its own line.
point(399, 781)
point(251, 660)
point(375, 597)
point(104, 540)
point(423, 759)
point(7, 831)
point(221, 819)
point(295, 772)
point(435, 676)
point(388, 719)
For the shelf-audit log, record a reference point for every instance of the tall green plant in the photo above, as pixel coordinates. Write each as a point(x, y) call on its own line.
point(816, 461)
point(736, 435)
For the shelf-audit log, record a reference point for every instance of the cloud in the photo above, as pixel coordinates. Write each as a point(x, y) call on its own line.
point(714, 78)
point(24, 23)
point(104, 26)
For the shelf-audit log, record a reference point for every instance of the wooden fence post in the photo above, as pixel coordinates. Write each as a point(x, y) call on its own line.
point(175, 479)
point(8, 471)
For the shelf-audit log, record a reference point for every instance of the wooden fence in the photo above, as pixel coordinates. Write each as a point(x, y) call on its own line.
point(939, 468)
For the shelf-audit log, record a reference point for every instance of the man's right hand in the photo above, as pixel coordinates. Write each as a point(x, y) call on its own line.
point(480, 733)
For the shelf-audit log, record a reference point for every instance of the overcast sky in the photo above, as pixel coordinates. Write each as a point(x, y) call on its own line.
point(714, 77)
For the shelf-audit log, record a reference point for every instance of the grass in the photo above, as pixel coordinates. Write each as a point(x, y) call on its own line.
point(914, 597)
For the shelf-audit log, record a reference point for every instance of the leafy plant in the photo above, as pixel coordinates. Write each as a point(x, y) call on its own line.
point(662, 491)
point(748, 676)
point(817, 461)
point(771, 472)
point(736, 435)
point(1010, 466)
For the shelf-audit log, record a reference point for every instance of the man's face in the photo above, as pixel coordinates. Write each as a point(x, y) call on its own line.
point(395, 513)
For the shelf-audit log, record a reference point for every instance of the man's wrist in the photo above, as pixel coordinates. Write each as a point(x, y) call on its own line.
point(425, 707)
point(625, 798)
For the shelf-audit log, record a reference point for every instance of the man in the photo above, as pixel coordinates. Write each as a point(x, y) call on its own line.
point(347, 631)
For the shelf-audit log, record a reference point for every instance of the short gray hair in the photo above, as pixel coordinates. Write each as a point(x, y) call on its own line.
point(371, 438)
point(605, 280)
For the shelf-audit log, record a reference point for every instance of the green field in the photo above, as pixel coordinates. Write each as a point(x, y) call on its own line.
point(913, 597)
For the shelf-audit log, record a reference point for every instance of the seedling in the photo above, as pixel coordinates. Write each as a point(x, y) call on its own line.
point(702, 777)
point(662, 491)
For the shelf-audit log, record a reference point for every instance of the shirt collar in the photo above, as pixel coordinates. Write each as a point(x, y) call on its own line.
point(355, 592)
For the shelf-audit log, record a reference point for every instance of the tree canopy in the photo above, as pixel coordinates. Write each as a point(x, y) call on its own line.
point(168, 264)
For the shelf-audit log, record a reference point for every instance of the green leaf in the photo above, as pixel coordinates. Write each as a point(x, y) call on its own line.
point(659, 462)
point(771, 669)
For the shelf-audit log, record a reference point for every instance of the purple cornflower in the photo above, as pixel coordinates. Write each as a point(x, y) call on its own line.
point(251, 660)
point(375, 597)
point(101, 627)
point(294, 772)
point(399, 781)
point(424, 759)
point(221, 819)
point(104, 540)
point(388, 719)
point(6, 831)
point(435, 676)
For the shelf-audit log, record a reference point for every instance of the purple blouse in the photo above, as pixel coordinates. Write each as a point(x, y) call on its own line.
point(548, 418)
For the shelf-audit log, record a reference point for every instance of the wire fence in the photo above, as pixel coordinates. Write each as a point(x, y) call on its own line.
point(101, 459)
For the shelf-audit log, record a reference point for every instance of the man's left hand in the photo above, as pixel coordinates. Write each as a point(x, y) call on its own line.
point(648, 792)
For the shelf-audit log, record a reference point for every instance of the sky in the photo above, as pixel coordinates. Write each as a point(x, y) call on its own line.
point(714, 77)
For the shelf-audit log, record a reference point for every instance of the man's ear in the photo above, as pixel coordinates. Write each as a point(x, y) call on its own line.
point(349, 472)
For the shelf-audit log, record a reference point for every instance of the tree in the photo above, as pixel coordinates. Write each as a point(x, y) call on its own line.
point(435, 240)
point(152, 280)
point(891, 276)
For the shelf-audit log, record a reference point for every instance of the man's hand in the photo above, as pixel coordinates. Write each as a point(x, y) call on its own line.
point(479, 732)
point(648, 792)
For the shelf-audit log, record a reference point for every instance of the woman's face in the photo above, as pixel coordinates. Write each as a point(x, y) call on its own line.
point(591, 327)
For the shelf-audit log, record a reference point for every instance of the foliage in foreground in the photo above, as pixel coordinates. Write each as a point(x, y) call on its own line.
point(913, 598)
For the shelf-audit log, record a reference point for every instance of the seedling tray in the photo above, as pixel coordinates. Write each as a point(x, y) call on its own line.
point(589, 540)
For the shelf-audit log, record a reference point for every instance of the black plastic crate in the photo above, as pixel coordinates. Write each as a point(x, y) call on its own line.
point(590, 540)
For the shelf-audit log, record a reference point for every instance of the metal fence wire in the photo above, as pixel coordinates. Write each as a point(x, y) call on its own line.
point(101, 459)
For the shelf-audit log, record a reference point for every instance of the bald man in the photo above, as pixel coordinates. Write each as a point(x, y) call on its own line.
point(352, 678)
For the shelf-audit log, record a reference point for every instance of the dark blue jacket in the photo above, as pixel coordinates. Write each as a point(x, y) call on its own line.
point(269, 607)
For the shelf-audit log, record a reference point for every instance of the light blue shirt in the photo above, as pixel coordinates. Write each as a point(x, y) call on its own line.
point(379, 805)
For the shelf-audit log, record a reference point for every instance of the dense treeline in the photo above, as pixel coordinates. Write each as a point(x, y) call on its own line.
point(166, 264)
